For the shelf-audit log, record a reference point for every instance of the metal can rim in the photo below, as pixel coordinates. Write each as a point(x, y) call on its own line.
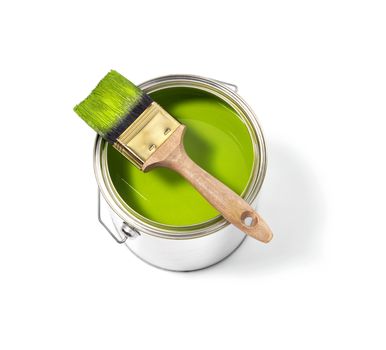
point(255, 182)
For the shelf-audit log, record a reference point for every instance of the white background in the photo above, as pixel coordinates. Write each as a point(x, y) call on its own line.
point(313, 71)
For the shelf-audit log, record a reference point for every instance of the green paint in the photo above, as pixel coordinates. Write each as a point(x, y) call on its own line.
point(216, 139)
point(109, 102)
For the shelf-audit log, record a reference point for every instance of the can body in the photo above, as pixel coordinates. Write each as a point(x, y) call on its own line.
point(181, 248)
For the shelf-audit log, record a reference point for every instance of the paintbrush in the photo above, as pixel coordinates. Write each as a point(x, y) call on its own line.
point(149, 137)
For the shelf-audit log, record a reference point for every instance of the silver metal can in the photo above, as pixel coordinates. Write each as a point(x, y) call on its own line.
point(183, 248)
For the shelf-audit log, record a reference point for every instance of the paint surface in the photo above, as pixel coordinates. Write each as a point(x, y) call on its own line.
point(216, 139)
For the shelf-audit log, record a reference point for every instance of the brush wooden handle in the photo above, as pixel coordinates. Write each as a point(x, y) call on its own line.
point(171, 154)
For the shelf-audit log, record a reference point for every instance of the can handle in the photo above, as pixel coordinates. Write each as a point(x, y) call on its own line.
point(229, 85)
point(116, 238)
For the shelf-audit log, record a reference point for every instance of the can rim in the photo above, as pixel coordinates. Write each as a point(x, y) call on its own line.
point(213, 225)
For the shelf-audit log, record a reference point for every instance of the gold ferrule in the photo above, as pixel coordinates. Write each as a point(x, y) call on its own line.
point(149, 131)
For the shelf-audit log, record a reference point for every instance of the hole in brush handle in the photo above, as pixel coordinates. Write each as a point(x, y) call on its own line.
point(249, 219)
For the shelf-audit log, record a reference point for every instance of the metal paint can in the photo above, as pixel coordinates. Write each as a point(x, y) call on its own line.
point(179, 248)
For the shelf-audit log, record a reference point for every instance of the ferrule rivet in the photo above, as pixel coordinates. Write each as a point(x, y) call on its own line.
point(152, 147)
point(166, 131)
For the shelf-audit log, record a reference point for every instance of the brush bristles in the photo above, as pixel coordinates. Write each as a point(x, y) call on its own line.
point(112, 106)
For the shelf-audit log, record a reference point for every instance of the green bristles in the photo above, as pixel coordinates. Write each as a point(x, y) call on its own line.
point(109, 103)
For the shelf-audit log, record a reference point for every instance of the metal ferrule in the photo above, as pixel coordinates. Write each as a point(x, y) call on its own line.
point(149, 131)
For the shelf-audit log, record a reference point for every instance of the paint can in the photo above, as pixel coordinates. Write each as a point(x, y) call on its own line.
point(179, 248)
